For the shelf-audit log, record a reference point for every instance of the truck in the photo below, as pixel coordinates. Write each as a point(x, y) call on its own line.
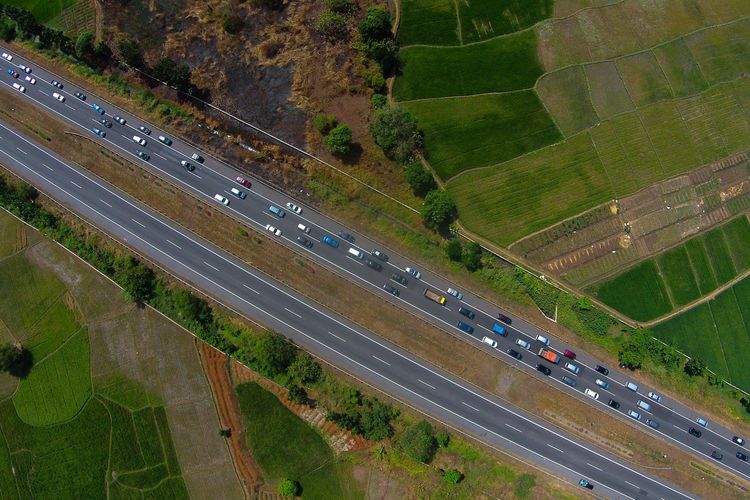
point(434, 297)
point(549, 355)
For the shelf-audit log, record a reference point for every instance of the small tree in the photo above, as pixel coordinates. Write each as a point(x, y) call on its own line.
point(288, 488)
point(225, 433)
point(454, 250)
point(452, 476)
point(378, 101)
point(472, 257)
point(418, 442)
point(274, 354)
point(297, 395)
point(15, 361)
point(375, 25)
point(305, 370)
point(695, 367)
point(324, 123)
point(438, 209)
point(395, 130)
point(131, 53)
point(419, 179)
point(136, 279)
point(85, 46)
point(443, 438)
point(339, 140)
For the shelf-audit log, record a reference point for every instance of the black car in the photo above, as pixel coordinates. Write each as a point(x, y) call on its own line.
point(504, 319)
point(399, 279)
point(602, 370)
point(614, 404)
point(514, 353)
point(570, 381)
point(80, 96)
point(586, 484)
point(391, 289)
point(143, 155)
point(695, 432)
point(348, 237)
point(717, 455)
point(144, 129)
point(652, 423)
point(466, 312)
point(380, 255)
point(373, 265)
point(106, 123)
point(304, 242)
point(543, 369)
point(57, 84)
point(741, 456)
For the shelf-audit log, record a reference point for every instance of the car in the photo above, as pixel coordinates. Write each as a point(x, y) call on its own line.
point(652, 423)
point(717, 455)
point(119, 119)
point(592, 394)
point(57, 84)
point(523, 343)
point(586, 484)
point(348, 237)
point(30, 79)
point(373, 265)
point(106, 123)
point(144, 129)
point(570, 381)
point(740, 441)
point(569, 354)
point(572, 368)
point(12, 73)
point(466, 312)
point(632, 386)
point(741, 456)
point(399, 279)
point(7, 56)
point(165, 140)
point(58, 96)
point(634, 414)
point(100, 133)
point(197, 157)
point(504, 319)
point(656, 397)
point(455, 293)
point(24, 68)
point(603, 384)
point(239, 194)
point(540, 367)
point(490, 342)
point(695, 432)
point(139, 140)
point(277, 211)
point(19, 87)
point(187, 165)
point(80, 96)
point(243, 181)
point(602, 370)
point(379, 255)
point(304, 242)
point(614, 404)
point(702, 421)
point(391, 289)
point(273, 230)
point(223, 200)
point(303, 228)
point(294, 208)
point(329, 241)
point(544, 340)
point(514, 353)
point(465, 327)
point(416, 274)
point(643, 405)
point(144, 156)
point(98, 108)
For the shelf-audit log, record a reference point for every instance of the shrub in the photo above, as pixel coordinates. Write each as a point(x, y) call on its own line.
point(378, 101)
point(443, 438)
point(438, 209)
point(85, 46)
point(454, 250)
point(418, 442)
point(472, 256)
point(332, 25)
point(695, 367)
point(305, 370)
point(419, 179)
point(339, 140)
point(232, 23)
point(452, 476)
point(137, 280)
point(288, 488)
point(297, 395)
point(131, 53)
point(325, 123)
point(375, 25)
point(274, 354)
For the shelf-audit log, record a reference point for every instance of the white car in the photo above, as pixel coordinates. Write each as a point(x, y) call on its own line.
point(30, 79)
point(524, 344)
point(139, 140)
point(592, 394)
point(416, 274)
point(303, 228)
point(273, 230)
point(489, 342)
point(19, 87)
point(601, 383)
point(221, 199)
point(59, 97)
point(655, 397)
point(455, 293)
point(7, 56)
point(24, 68)
point(544, 340)
point(294, 208)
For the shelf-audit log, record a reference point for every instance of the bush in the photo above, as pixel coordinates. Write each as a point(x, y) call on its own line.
point(298, 395)
point(325, 123)
point(7, 29)
point(378, 101)
point(438, 209)
point(346, 7)
point(369, 417)
point(232, 24)
point(274, 354)
point(15, 361)
point(472, 256)
point(443, 438)
point(695, 367)
point(454, 250)
point(419, 179)
point(375, 25)
point(395, 130)
point(332, 25)
point(339, 140)
point(524, 484)
point(305, 370)
point(452, 476)
point(131, 53)
point(418, 442)
point(288, 488)
point(137, 280)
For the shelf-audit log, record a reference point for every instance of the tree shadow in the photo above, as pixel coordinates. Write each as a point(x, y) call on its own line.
point(354, 154)
point(22, 364)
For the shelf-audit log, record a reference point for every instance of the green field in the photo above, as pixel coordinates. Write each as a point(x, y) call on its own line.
point(43, 10)
point(428, 22)
point(287, 447)
point(683, 273)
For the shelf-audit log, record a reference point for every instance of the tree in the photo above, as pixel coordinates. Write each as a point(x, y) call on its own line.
point(305, 370)
point(419, 179)
point(324, 123)
point(443, 438)
point(695, 367)
point(375, 25)
point(452, 476)
point(385, 52)
point(7, 29)
point(375, 420)
point(174, 74)
point(395, 130)
point(438, 208)
point(288, 488)
point(136, 279)
point(454, 250)
point(332, 25)
point(339, 140)
point(418, 442)
point(378, 101)
point(274, 354)
point(584, 304)
point(634, 351)
point(472, 256)
point(16, 361)
point(85, 46)
point(297, 395)
point(131, 53)
point(269, 4)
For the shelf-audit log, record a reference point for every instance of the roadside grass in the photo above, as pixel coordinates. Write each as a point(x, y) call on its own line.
point(565, 94)
point(498, 65)
point(43, 10)
point(428, 22)
point(483, 19)
point(481, 130)
point(287, 447)
point(678, 276)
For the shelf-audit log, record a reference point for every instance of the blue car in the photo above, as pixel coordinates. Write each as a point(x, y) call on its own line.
point(329, 241)
point(467, 328)
point(98, 108)
point(100, 133)
point(277, 211)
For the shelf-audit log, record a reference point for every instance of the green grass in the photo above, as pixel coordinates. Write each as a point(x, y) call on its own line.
point(718, 254)
point(481, 130)
point(638, 292)
point(428, 22)
point(678, 275)
point(287, 447)
point(565, 93)
point(483, 19)
point(43, 10)
point(145, 426)
point(721, 52)
point(498, 65)
point(701, 266)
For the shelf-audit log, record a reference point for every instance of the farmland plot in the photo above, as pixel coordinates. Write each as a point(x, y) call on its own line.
point(428, 22)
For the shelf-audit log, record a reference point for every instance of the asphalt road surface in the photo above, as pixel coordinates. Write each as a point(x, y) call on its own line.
point(214, 177)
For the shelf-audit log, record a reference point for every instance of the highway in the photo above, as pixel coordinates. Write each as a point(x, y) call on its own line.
point(214, 177)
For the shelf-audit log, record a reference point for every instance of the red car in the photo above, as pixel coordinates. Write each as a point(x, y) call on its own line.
point(244, 181)
point(569, 354)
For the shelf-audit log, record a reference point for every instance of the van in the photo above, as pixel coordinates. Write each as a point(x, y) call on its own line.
point(633, 387)
point(489, 341)
point(238, 193)
point(499, 330)
point(643, 405)
point(303, 228)
point(544, 340)
point(353, 252)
